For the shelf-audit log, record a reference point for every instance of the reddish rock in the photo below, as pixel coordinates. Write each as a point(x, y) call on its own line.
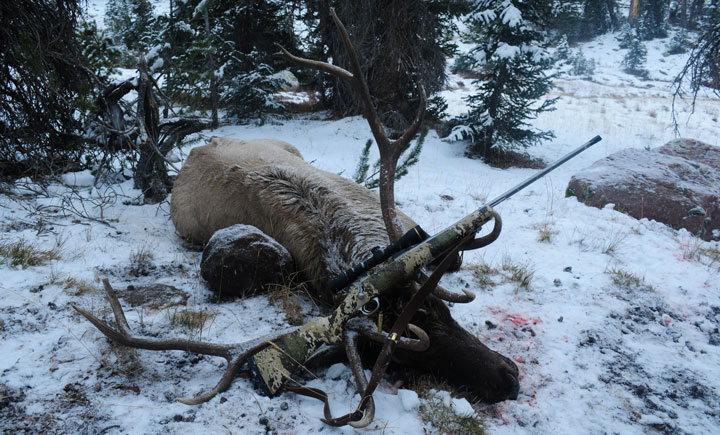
point(241, 261)
point(677, 184)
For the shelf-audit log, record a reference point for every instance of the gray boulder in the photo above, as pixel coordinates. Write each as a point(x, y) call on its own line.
point(241, 261)
point(677, 184)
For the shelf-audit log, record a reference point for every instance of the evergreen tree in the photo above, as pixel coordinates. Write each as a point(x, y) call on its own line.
point(219, 54)
point(582, 66)
point(627, 35)
point(45, 86)
point(598, 17)
point(562, 52)
point(97, 48)
point(679, 43)
point(511, 53)
point(634, 60)
point(401, 44)
point(653, 18)
point(566, 19)
point(132, 23)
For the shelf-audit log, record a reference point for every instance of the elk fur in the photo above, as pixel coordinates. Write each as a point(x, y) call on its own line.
point(327, 223)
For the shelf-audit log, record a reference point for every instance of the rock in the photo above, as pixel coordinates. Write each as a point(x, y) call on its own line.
point(677, 184)
point(241, 260)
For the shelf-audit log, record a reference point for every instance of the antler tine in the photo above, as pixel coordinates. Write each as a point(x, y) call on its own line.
point(361, 86)
point(314, 64)
point(457, 298)
point(447, 295)
point(360, 379)
point(366, 328)
point(120, 319)
point(234, 354)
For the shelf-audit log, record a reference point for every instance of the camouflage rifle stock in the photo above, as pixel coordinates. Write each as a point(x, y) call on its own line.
point(275, 364)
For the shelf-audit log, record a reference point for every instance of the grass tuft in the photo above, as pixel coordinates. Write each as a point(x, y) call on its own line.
point(288, 296)
point(628, 280)
point(520, 273)
point(444, 418)
point(78, 287)
point(612, 244)
point(191, 320)
point(142, 256)
point(482, 272)
point(24, 254)
point(545, 232)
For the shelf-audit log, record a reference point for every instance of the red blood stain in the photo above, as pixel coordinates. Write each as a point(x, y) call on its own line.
point(516, 319)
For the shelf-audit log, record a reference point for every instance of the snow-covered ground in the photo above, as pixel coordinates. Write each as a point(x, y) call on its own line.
point(595, 356)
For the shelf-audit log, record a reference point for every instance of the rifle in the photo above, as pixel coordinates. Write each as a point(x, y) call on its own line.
point(276, 363)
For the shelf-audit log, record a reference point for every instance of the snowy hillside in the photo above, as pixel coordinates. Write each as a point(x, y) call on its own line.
point(617, 331)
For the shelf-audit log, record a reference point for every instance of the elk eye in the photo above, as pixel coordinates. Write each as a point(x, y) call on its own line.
point(420, 316)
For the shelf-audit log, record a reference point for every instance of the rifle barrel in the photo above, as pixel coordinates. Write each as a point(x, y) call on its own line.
point(544, 172)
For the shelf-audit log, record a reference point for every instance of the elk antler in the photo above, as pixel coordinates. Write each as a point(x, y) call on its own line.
point(365, 327)
point(390, 150)
point(234, 354)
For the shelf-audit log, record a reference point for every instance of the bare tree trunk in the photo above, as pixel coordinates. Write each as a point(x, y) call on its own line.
point(695, 11)
point(634, 9)
point(169, 75)
point(683, 13)
point(150, 174)
point(214, 97)
point(611, 12)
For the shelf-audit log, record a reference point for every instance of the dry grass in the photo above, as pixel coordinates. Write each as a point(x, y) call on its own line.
point(288, 296)
point(712, 253)
point(706, 253)
point(141, 256)
point(444, 419)
point(190, 320)
point(520, 273)
point(628, 280)
point(545, 232)
point(483, 272)
point(77, 287)
point(25, 254)
point(613, 243)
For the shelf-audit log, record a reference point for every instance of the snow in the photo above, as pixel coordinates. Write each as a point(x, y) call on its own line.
point(511, 15)
point(594, 356)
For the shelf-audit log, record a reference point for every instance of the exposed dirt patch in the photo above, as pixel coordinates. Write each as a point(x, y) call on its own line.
point(154, 296)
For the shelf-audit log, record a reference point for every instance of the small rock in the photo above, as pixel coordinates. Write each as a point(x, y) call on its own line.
point(568, 269)
point(447, 197)
point(490, 325)
point(284, 406)
point(178, 417)
point(557, 282)
point(560, 319)
point(263, 420)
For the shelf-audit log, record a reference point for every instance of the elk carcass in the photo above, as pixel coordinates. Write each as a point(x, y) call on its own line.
point(328, 224)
